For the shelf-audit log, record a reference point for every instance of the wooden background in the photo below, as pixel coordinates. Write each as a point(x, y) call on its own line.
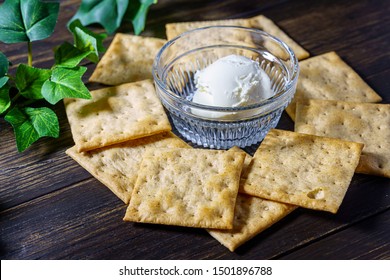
point(51, 208)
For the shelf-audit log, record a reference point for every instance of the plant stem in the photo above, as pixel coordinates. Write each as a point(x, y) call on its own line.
point(29, 58)
point(12, 104)
point(15, 97)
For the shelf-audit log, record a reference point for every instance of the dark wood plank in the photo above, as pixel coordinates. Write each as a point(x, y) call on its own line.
point(85, 222)
point(368, 234)
point(39, 170)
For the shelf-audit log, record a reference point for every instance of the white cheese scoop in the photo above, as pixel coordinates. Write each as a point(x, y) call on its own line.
point(231, 81)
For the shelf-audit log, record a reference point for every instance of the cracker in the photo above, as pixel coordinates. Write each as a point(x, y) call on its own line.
point(252, 215)
point(359, 122)
point(259, 22)
point(328, 77)
point(128, 59)
point(213, 37)
point(304, 170)
point(186, 187)
point(248, 158)
point(117, 166)
point(177, 28)
point(115, 115)
point(267, 25)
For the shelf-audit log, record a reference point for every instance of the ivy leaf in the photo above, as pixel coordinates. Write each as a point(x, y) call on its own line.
point(27, 20)
point(29, 80)
point(69, 56)
point(65, 83)
point(137, 12)
point(4, 64)
point(30, 124)
point(87, 41)
point(5, 100)
point(107, 13)
point(3, 81)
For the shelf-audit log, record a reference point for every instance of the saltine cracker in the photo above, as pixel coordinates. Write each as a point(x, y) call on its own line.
point(328, 77)
point(117, 166)
point(305, 170)
point(115, 115)
point(354, 121)
point(186, 187)
point(129, 58)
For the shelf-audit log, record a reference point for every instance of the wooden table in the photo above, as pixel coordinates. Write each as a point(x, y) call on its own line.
point(51, 208)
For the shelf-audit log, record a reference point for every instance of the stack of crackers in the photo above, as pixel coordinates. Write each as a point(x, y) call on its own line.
point(123, 138)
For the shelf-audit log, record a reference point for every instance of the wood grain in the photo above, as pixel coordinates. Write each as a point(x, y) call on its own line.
point(370, 241)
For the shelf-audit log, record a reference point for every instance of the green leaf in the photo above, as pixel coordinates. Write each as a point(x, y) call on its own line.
point(4, 64)
point(30, 124)
point(65, 83)
point(29, 80)
point(108, 13)
point(3, 81)
point(69, 56)
point(137, 11)
point(44, 120)
point(87, 41)
point(5, 100)
point(27, 20)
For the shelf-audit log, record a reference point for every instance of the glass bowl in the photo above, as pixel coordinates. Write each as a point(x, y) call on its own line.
point(223, 127)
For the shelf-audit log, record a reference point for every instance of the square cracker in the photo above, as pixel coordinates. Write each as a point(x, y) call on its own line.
point(128, 59)
point(210, 37)
point(252, 215)
point(359, 122)
point(259, 22)
point(328, 77)
point(186, 187)
point(304, 170)
point(174, 29)
point(115, 115)
point(263, 23)
point(117, 166)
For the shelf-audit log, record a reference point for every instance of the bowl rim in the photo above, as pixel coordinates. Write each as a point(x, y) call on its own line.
point(273, 99)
